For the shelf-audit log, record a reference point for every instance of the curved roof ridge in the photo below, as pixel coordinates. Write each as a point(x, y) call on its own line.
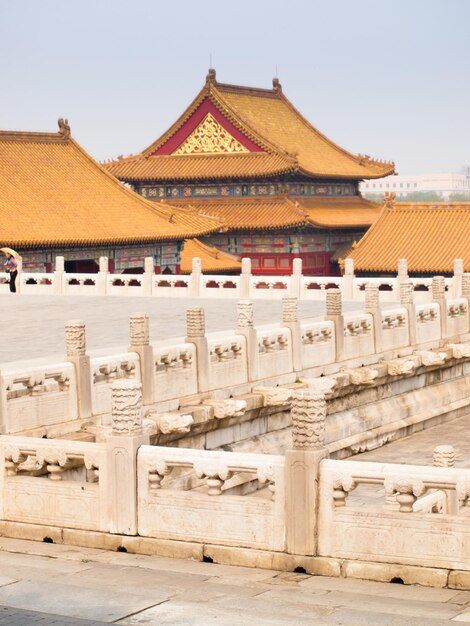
point(304, 120)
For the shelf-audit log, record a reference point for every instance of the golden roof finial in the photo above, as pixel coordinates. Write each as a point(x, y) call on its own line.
point(210, 78)
point(64, 128)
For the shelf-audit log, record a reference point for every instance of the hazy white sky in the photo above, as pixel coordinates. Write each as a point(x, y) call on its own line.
point(386, 78)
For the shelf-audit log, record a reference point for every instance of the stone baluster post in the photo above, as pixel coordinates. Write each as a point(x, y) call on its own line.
point(147, 278)
point(372, 306)
point(457, 278)
point(402, 276)
point(466, 291)
point(245, 279)
point(245, 327)
point(196, 334)
point(406, 295)
point(334, 312)
point(438, 290)
point(290, 319)
point(140, 343)
point(296, 279)
point(102, 279)
point(302, 470)
point(59, 274)
point(348, 279)
point(75, 337)
point(195, 278)
point(122, 447)
point(444, 456)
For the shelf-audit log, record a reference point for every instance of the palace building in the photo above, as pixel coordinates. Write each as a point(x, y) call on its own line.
point(55, 200)
point(278, 188)
point(430, 235)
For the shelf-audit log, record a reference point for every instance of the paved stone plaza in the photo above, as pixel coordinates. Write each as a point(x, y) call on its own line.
point(111, 587)
point(33, 326)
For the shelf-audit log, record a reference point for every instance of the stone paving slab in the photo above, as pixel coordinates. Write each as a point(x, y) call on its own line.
point(36, 323)
point(19, 617)
point(418, 447)
point(75, 601)
point(134, 589)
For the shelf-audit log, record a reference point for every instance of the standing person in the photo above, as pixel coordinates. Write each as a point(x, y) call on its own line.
point(11, 266)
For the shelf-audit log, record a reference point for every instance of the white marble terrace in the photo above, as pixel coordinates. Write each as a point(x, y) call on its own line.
point(237, 445)
point(245, 285)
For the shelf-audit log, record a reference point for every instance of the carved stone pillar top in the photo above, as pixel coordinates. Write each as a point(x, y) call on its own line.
point(406, 293)
point(349, 267)
point(75, 338)
point(148, 265)
point(126, 406)
point(103, 263)
point(139, 329)
point(402, 268)
point(334, 304)
point(438, 288)
point(297, 267)
point(196, 265)
point(246, 265)
point(59, 264)
point(372, 298)
point(458, 267)
point(195, 322)
point(466, 285)
point(244, 314)
point(308, 420)
point(289, 309)
point(443, 456)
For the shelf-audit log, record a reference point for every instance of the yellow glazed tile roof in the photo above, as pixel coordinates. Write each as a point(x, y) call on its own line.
point(53, 193)
point(213, 166)
point(212, 259)
point(288, 143)
point(429, 235)
point(275, 212)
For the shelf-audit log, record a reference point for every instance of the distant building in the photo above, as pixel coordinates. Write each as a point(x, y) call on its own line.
point(444, 184)
point(430, 235)
point(278, 187)
point(55, 200)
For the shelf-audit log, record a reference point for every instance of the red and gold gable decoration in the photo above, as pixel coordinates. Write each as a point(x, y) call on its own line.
point(207, 131)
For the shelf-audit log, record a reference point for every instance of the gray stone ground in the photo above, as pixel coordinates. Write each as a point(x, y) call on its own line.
point(33, 326)
point(56, 584)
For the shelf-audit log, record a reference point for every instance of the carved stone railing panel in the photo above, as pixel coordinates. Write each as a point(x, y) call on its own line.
point(420, 513)
point(274, 351)
point(170, 507)
point(317, 343)
point(34, 398)
point(175, 370)
point(228, 360)
point(55, 482)
point(105, 370)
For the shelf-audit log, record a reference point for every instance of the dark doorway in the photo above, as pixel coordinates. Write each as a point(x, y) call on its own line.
point(82, 266)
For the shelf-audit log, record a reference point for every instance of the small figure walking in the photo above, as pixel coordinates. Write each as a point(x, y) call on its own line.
point(11, 266)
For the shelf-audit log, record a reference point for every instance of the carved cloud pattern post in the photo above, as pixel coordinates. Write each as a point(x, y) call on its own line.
point(302, 467)
point(139, 329)
point(244, 314)
point(195, 334)
point(438, 290)
point(308, 420)
point(126, 406)
point(75, 339)
point(289, 309)
point(443, 456)
point(334, 312)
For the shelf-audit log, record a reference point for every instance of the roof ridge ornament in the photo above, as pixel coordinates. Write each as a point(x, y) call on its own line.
point(64, 128)
point(210, 78)
point(277, 87)
point(389, 199)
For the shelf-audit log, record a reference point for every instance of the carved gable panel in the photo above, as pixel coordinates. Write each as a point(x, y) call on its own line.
point(210, 137)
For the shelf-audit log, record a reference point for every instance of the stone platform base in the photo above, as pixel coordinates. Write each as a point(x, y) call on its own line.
point(245, 557)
